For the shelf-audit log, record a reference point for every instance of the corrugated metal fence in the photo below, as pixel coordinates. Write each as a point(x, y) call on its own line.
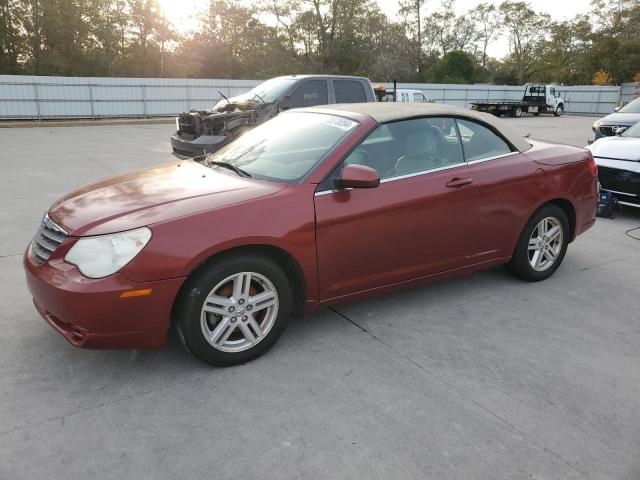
point(629, 92)
point(36, 97)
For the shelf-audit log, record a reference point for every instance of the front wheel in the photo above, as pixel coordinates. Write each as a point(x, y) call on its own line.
point(233, 310)
point(542, 245)
point(559, 111)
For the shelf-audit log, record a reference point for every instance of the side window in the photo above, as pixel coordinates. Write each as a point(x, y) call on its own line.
point(480, 142)
point(409, 146)
point(349, 91)
point(418, 97)
point(552, 91)
point(310, 93)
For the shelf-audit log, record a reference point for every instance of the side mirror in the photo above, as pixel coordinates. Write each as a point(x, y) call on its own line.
point(621, 130)
point(616, 110)
point(285, 103)
point(357, 176)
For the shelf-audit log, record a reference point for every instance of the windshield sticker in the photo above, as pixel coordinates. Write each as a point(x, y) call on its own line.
point(341, 123)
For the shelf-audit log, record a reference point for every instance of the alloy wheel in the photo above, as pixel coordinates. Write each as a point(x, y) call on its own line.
point(239, 312)
point(545, 244)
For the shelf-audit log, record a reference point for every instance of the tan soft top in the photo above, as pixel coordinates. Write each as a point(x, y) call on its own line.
point(383, 112)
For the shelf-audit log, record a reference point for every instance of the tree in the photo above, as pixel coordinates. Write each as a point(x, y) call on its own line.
point(12, 39)
point(410, 11)
point(487, 19)
point(447, 32)
point(454, 67)
point(602, 78)
point(527, 29)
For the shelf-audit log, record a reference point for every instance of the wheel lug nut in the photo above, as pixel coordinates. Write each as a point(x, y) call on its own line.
point(249, 307)
point(245, 318)
point(231, 309)
point(241, 301)
point(233, 319)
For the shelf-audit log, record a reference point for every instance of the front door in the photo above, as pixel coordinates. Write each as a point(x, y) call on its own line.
point(418, 222)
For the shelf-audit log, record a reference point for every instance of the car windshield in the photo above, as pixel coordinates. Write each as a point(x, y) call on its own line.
point(633, 131)
point(632, 107)
point(287, 147)
point(271, 90)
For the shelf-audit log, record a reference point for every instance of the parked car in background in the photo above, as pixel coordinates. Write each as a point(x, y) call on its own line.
point(205, 131)
point(538, 98)
point(618, 159)
point(406, 95)
point(314, 207)
point(624, 118)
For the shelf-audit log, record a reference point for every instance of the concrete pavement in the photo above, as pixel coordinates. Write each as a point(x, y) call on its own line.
point(479, 377)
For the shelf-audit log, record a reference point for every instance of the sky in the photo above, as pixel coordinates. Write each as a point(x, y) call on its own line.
point(183, 13)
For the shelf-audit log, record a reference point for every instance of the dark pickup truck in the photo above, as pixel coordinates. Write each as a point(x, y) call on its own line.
point(204, 131)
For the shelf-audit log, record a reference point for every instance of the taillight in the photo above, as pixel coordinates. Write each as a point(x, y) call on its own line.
point(593, 168)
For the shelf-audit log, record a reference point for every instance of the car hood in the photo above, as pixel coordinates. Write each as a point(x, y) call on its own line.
point(153, 195)
point(621, 119)
point(621, 148)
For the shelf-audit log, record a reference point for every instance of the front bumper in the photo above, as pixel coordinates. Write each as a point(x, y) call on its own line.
point(91, 313)
point(622, 178)
point(192, 147)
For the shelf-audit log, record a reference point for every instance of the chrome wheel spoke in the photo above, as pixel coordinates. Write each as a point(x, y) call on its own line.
point(554, 232)
point(262, 300)
point(241, 285)
point(537, 257)
point(220, 331)
point(246, 331)
point(534, 243)
point(256, 327)
point(217, 304)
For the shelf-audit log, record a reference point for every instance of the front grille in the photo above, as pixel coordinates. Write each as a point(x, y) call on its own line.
point(608, 130)
point(186, 124)
point(48, 238)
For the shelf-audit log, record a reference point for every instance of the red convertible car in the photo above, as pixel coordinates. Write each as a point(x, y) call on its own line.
point(315, 207)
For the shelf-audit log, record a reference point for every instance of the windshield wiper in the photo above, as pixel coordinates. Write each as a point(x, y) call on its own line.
point(238, 170)
point(261, 99)
point(224, 96)
point(205, 159)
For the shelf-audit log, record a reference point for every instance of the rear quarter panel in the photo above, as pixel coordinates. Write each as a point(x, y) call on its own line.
point(568, 176)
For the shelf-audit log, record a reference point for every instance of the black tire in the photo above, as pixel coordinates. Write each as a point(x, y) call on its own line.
point(519, 264)
point(558, 111)
point(516, 112)
point(536, 113)
point(188, 310)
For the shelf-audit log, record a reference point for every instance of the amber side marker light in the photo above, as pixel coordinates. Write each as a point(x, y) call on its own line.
point(144, 292)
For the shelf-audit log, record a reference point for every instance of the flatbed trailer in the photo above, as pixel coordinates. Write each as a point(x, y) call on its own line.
point(538, 98)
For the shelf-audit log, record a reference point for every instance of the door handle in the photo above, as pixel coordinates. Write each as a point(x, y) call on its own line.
point(458, 182)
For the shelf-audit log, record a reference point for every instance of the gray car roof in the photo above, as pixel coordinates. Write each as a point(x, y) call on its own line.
point(383, 112)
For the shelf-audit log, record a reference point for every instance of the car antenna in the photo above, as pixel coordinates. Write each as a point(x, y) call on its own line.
point(224, 96)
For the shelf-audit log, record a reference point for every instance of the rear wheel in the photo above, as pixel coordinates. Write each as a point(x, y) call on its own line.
point(516, 112)
point(234, 310)
point(542, 245)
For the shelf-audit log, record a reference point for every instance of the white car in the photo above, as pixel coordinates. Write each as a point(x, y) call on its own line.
point(618, 160)
point(407, 95)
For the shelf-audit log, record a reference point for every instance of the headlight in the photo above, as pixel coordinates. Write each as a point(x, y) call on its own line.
point(595, 125)
point(178, 124)
point(101, 256)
